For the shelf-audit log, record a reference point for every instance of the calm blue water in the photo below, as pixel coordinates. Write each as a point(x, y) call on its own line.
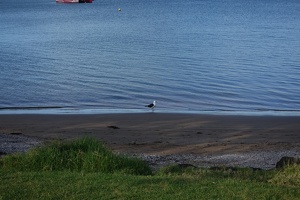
point(191, 55)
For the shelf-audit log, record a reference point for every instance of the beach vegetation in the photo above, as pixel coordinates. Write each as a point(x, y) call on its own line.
point(75, 170)
point(82, 155)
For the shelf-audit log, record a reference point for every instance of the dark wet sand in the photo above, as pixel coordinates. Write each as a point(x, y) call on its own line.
point(165, 134)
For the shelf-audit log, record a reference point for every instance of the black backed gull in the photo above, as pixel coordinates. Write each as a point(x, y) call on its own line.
point(151, 105)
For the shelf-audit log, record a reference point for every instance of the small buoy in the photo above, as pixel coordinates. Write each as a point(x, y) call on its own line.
point(119, 9)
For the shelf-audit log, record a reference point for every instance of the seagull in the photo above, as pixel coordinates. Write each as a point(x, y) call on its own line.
point(151, 105)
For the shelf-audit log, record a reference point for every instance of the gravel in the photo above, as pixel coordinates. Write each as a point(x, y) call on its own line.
point(13, 143)
point(255, 159)
point(10, 143)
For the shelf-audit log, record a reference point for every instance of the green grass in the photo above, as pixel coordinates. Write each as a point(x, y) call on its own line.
point(83, 155)
point(73, 176)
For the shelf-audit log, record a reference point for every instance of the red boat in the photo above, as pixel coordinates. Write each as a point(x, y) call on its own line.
point(74, 1)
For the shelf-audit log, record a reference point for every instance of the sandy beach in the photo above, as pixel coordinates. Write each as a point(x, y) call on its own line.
point(190, 138)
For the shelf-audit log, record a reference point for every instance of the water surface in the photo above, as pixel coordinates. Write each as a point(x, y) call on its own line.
point(189, 56)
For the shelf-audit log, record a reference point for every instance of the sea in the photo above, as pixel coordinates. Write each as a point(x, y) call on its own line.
point(116, 56)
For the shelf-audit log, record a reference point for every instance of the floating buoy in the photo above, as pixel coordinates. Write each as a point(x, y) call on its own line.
point(119, 9)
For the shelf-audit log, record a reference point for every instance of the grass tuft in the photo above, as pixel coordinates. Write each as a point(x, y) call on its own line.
point(289, 175)
point(85, 155)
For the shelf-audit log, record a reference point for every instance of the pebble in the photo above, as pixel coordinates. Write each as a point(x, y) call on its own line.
point(13, 143)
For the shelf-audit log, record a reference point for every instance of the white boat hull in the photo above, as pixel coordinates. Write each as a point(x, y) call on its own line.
point(67, 1)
